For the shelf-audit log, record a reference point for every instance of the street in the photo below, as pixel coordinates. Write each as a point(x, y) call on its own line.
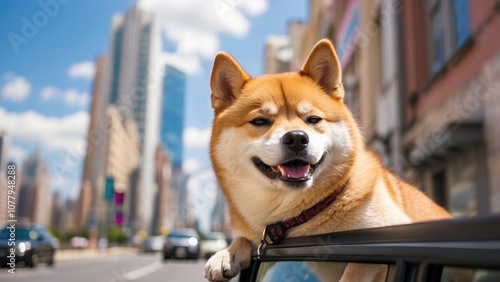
point(129, 267)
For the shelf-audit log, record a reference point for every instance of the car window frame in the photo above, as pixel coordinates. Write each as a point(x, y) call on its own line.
point(413, 252)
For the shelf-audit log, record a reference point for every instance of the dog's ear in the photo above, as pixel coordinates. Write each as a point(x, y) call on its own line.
point(227, 80)
point(323, 66)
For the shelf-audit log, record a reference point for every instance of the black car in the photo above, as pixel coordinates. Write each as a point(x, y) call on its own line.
point(32, 244)
point(182, 243)
point(449, 250)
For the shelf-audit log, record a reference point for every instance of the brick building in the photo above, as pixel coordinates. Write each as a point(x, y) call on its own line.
point(452, 74)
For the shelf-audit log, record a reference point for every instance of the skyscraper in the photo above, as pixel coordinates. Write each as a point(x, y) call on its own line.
point(120, 157)
point(94, 138)
point(162, 218)
point(171, 135)
point(172, 119)
point(3, 177)
point(35, 196)
point(278, 54)
point(132, 82)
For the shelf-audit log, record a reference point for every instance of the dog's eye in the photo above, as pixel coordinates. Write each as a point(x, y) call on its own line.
point(314, 119)
point(260, 121)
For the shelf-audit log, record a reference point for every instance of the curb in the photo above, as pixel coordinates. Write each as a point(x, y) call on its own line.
point(77, 254)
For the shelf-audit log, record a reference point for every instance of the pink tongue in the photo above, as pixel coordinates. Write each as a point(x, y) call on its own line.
point(295, 171)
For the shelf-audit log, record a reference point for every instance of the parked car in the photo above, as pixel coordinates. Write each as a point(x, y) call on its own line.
point(33, 245)
point(153, 244)
point(79, 242)
point(449, 250)
point(212, 243)
point(182, 243)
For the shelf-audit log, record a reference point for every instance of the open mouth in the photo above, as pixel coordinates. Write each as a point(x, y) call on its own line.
point(295, 171)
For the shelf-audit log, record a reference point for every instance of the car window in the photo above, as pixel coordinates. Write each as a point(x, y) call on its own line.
point(214, 236)
point(180, 235)
point(308, 271)
point(459, 274)
point(21, 234)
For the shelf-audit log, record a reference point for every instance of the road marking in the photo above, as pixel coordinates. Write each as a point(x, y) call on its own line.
point(143, 271)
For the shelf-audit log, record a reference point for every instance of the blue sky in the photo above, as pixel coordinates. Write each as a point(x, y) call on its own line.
point(46, 74)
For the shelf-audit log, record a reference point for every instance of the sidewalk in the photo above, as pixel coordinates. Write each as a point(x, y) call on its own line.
point(76, 254)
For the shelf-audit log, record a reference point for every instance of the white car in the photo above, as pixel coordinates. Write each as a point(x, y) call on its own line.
point(212, 243)
point(153, 244)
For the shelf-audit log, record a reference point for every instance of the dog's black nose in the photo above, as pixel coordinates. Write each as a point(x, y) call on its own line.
point(296, 140)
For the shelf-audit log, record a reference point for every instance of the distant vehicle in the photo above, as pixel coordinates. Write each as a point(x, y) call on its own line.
point(102, 243)
point(182, 243)
point(79, 242)
point(33, 245)
point(212, 243)
point(153, 244)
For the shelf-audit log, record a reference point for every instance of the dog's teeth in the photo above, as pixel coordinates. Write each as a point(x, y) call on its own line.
point(282, 171)
point(275, 169)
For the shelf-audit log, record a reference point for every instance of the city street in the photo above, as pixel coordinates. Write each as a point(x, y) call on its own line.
point(130, 267)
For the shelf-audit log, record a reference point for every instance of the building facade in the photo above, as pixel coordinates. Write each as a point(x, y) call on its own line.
point(95, 138)
point(132, 83)
point(277, 54)
point(451, 139)
point(57, 212)
point(163, 220)
point(296, 32)
point(172, 118)
point(172, 129)
point(4, 140)
point(121, 156)
point(35, 196)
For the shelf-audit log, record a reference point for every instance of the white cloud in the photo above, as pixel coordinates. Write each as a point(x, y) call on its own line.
point(191, 165)
point(189, 64)
point(197, 138)
point(16, 154)
point(51, 133)
point(73, 97)
point(196, 35)
point(16, 88)
point(84, 70)
point(253, 7)
point(49, 93)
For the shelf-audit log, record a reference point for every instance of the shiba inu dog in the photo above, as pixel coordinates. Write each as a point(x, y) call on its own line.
point(286, 149)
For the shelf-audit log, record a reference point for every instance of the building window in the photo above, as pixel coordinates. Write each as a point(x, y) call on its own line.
point(437, 21)
point(351, 87)
point(439, 188)
point(462, 22)
point(448, 30)
point(463, 183)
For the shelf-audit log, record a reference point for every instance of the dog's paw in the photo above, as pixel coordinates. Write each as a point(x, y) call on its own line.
point(222, 266)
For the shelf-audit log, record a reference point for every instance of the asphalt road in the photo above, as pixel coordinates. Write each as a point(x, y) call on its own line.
point(132, 267)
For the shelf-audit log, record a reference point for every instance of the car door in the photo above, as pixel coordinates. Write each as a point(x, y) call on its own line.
point(44, 245)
